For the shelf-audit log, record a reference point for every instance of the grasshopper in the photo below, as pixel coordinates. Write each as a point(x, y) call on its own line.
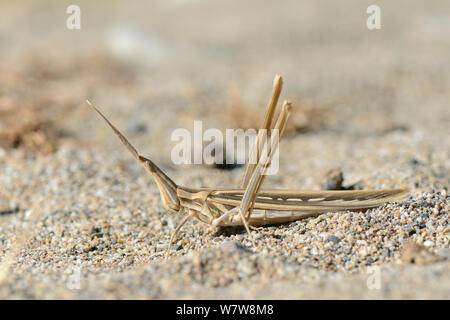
point(248, 205)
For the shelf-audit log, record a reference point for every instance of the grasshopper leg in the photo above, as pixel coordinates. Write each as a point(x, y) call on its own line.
point(218, 220)
point(257, 178)
point(175, 232)
point(268, 119)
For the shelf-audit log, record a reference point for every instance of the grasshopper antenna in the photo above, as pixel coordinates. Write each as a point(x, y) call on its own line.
point(122, 138)
point(167, 188)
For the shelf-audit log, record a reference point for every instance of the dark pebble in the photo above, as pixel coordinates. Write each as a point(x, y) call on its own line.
point(334, 239)
point(409, 231)
point(371, 260)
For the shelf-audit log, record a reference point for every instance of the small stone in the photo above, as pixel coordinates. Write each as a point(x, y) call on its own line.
point(334, 239)
point(428, 243)
point(126, 214)
point(129, 260)
point(334, 179)
point(425, 215)
point(409, 231)
point(371, 260)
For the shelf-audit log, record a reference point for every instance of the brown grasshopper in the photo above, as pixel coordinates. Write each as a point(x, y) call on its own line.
point(248, 205)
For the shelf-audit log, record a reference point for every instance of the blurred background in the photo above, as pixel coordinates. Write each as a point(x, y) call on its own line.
point(156, 65)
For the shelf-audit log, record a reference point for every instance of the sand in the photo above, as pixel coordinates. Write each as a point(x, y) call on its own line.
point(80, 219)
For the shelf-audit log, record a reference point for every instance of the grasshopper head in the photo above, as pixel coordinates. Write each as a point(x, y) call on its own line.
point(167, 188)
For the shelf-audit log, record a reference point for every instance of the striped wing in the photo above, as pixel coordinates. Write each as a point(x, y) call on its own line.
point(310, 201)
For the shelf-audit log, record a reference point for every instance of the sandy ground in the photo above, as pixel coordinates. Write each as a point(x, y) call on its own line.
point(80, 219)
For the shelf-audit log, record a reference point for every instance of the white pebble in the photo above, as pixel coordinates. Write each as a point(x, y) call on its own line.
point(428, 243)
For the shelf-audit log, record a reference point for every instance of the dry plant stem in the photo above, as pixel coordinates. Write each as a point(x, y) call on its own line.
point(255, 207)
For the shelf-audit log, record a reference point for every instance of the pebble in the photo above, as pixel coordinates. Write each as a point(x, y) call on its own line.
point(334, 239)
point(428, 243)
